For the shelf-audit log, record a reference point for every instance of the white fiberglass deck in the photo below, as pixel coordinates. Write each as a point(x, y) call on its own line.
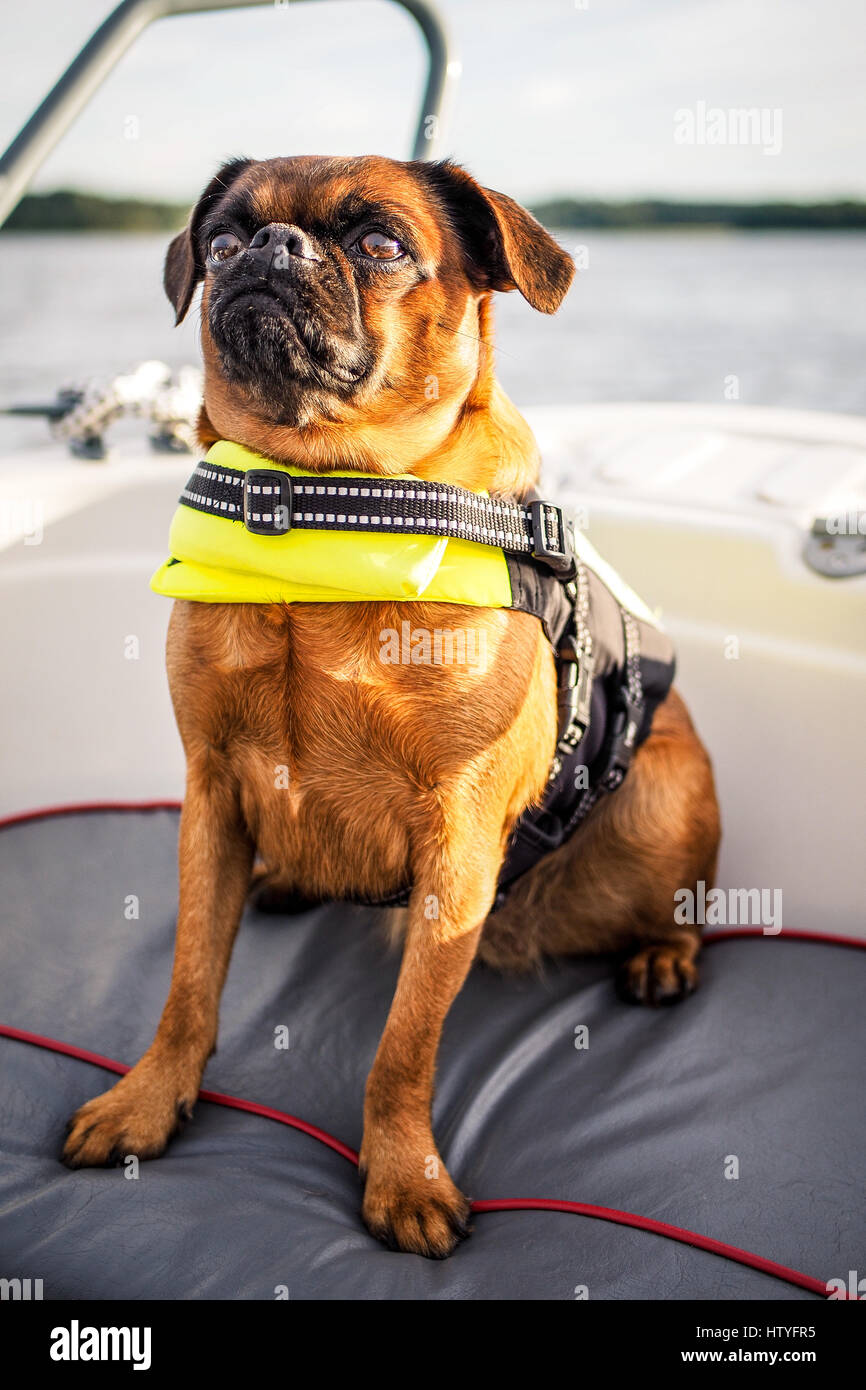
point(704, 510)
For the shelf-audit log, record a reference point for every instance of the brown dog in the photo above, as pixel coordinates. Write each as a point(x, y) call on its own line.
point(398, 773)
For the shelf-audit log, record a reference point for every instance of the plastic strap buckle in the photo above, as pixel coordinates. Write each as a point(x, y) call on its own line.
point(626, 727)
point(551, 539)
point(267, 502)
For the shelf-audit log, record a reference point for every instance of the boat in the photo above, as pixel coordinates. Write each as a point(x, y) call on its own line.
point(746, 528)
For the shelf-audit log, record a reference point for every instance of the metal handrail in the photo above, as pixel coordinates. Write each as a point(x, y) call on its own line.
point(118, 32)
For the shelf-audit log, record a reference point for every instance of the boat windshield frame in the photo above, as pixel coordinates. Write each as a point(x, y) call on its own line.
point(100, 55)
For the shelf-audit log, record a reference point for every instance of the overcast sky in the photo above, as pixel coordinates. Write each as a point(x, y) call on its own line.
point(557, 96)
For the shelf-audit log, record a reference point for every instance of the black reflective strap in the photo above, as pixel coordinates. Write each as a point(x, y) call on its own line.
point(541, 830)
point(267, 499)
point(629, 716)
point(576, 667)
point(626, 722)
point(218, 491)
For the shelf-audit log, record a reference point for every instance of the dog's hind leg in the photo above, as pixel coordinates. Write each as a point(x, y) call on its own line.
point(612, 887)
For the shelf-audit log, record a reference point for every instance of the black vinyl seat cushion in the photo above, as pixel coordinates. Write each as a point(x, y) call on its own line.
point(763, 1065)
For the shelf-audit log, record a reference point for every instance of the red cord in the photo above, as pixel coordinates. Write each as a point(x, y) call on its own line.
point(661, 1228)
point(84, 808)
point(620, 1218)
point(826, 938)
point(95, 1059)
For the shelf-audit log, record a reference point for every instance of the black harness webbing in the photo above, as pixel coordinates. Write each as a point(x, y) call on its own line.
point(272, 502)
point(601, 724)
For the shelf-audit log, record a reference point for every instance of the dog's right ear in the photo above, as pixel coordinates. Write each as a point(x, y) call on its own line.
point(183, 263)
point(505, 248)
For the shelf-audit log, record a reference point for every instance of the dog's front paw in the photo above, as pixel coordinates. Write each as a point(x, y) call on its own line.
point(137, 1116)
point(420, 1216)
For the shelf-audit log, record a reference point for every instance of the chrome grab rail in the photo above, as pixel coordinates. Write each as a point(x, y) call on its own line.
point(118, 32)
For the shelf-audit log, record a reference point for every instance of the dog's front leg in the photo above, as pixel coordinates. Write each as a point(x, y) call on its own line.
point(140, 1114)
point(410, 1201)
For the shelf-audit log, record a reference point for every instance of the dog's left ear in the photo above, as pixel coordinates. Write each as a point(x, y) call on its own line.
point(183, 263)
point(505, 247)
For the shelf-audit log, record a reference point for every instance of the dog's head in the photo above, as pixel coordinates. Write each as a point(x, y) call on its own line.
point(341, 291)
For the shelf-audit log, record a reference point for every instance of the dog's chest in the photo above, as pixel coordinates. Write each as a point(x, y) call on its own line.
point(346, 727)
point(363, 700)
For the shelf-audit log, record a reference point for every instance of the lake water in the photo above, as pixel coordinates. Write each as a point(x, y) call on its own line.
point(653, 317)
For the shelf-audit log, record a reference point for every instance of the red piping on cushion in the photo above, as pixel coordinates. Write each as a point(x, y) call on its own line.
point(825, 938)
point(77, 808)
point(620, 1218)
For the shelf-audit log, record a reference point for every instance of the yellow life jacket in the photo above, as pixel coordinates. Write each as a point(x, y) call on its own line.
point(213, 560)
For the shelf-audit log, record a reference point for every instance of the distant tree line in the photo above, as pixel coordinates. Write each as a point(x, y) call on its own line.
point(69, 211)
point(655, 212)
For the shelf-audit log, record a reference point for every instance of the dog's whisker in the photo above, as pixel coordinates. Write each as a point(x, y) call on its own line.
point(485, 342)
point(391, 387)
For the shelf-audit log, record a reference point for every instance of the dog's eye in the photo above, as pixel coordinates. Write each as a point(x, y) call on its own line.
point(224, 245)
point(380, 247)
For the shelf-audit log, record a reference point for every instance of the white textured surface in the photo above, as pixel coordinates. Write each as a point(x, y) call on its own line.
point(732, 458)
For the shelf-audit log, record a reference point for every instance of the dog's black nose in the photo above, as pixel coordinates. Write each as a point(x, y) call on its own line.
point(279, 242)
